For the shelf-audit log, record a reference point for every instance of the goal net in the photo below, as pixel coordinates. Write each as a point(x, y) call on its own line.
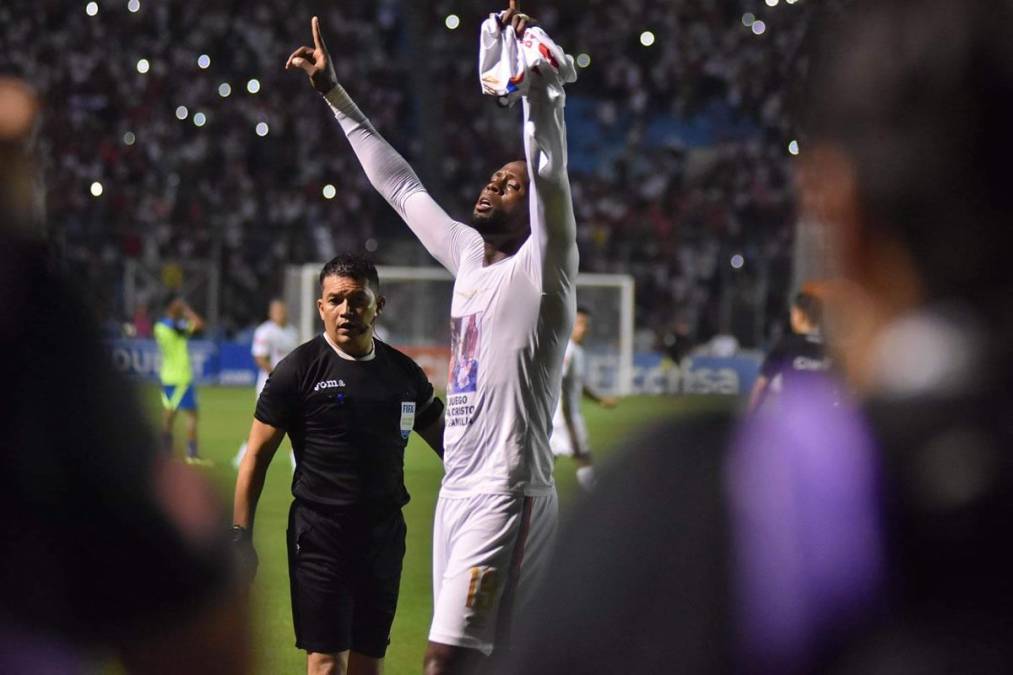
point(417, 319)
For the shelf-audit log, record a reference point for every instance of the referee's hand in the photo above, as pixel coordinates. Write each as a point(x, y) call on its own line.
point(246, 555)
point(315, 61)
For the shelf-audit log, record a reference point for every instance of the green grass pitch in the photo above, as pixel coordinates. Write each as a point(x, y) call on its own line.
point(225, 416)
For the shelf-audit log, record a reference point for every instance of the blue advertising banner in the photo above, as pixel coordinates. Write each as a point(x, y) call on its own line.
point(230, 364)
point(227, 363)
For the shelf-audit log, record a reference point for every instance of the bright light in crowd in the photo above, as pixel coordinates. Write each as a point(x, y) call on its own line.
point(793, 147)
point(738, 261)
point(129, 138)
point(759, 27)
point(452, 21)
point(134, 6)
point(203, 61)
point(330, 191)
point(96, 189)
point(200, 119)
point(253, 86)
point(647, 38)
point(224, 89)
point(791, 2)
point(772, 3)
point(262, 129)
point(182, 112)
point(143, 66)
point(748, 19)
point(583, 60)
point(91, 9)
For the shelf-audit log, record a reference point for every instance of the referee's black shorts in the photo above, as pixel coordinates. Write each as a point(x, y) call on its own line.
point(344, 568)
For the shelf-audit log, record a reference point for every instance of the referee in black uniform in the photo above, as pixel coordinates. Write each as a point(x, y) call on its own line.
point(348, 403)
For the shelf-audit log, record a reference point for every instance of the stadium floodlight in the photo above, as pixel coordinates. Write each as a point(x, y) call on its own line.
point(91, 9)
point(748, 19)
point(224, 89)
point(759, 27)
point(96, 189)
point(262, 129)
point(134, 6)
point(203, 61)
point(793, 148)
point(772, 3)
point(182, 112)
point(452, 21)
point(418, 303)
point(129, 138)
point(253, 85)
point(143, 66)
point(329, 191)
point(583, 60)
point(647, 38)
point(737, 261)
point(200, 119)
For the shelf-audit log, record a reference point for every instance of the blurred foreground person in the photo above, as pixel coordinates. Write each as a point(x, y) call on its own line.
point(107, 548)
point(867, 538)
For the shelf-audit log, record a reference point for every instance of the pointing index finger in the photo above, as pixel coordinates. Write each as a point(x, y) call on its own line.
point(318, 40)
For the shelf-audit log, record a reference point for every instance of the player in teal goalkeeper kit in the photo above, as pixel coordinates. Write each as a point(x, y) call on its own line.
point(172, 333)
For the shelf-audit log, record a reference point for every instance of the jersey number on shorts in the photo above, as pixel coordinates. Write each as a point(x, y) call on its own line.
point(482, 589)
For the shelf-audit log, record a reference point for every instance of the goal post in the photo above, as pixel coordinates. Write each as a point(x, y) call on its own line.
point(416, 319)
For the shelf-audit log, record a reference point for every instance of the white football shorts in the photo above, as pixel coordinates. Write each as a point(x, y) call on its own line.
point(489, 554)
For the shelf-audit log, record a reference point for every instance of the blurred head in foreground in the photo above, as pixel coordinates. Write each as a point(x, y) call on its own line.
point(909, 140)
point(106, 547)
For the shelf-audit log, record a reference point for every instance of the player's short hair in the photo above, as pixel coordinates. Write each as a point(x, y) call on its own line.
point(353, 266)
point(810, 306)
point(585, 310)
point(919, 96)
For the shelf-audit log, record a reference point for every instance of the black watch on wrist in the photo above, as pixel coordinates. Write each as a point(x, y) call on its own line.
point(240, 534)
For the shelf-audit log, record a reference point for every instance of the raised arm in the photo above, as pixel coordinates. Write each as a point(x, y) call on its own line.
point(386, 169)
point(553, 226)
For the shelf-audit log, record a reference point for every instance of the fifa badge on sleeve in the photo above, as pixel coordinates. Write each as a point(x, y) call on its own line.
point(407, 418)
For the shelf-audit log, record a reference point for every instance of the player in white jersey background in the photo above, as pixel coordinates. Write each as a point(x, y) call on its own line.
point(272, 341)
point(513, 308)
point(569, 430)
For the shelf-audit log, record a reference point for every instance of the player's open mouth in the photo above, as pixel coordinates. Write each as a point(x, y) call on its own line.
point(483, 205)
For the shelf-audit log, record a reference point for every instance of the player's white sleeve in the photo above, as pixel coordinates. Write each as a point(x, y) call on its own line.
point(553, 226)
point(395, 180)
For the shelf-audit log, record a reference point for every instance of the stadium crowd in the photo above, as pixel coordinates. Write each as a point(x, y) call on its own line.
point(679, 141)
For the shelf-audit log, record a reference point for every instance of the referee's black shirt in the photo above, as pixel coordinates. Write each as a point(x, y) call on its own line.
point(348, 420)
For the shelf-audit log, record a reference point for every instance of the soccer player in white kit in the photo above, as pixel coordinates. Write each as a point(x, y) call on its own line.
point(272, 341)
point(569, 430)
point(513, 308)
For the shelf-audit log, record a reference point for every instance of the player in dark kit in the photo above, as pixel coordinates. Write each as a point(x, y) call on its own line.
point(799, 354)
point(348, 403)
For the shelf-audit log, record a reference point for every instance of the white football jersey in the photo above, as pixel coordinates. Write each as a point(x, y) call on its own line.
point(510, 321)
point(273, 342)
